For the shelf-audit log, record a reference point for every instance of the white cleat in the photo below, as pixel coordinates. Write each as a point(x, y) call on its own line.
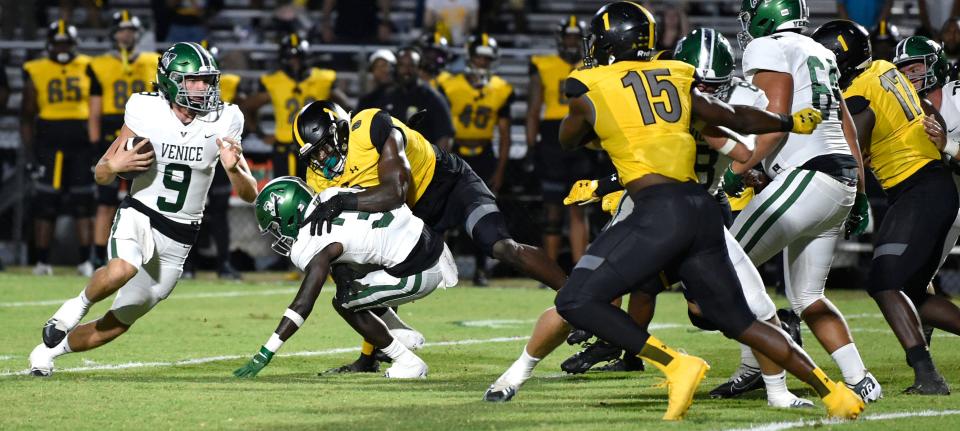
point(407, 367)
point(85, 269)
point(790, 402)
point(41, 361)
point(868, 389)
point(410, 338)
point(42, 269)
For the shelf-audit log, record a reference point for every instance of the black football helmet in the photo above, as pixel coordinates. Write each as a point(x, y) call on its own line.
point(322, 130)
point(570, 27)
point(124, 20)
point(61, 41)
point(622, 31)
point(436, 52)
point(293, 54)
point(482, 53)
point(850, 42)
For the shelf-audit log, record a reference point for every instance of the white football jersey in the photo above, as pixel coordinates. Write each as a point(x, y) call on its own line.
point(950, 108)
point(384, 239)
point(710, 164)
point(815, 75)
point(186, 154)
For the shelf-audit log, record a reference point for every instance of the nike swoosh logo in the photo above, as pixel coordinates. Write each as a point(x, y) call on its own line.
point(951, 130)
point(208, 136)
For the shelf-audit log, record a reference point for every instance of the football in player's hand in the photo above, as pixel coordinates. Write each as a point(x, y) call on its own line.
point(129, 146)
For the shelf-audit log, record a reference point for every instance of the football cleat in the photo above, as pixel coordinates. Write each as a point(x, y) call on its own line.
point(361, 365)
point(42, 269)
point(791, 402)
point(41, 362)
point(578, 336)
point(53, 333)
point(480, 279)
point(627, 363)
point(842, 403)
point(868, 389)
point(790, 323)
point(410, 338)
point(592, 354)
point(407, 366)
point(85, 269)
point(746, 379)
point(684, 374)
point(928, 384)
point(500, 392)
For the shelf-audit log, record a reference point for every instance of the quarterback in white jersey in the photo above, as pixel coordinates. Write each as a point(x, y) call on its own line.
point(189, 130)
point(815, 179)
point(377, 260)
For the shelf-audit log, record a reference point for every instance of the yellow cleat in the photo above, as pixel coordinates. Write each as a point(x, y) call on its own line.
point(684, 374)
point(842, 403)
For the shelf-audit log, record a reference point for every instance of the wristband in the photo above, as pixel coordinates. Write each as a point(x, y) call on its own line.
point(295, 317)
point(274, 343)
point(786, 122)
point(728, 147)
point(952, 147)
point(607, 185)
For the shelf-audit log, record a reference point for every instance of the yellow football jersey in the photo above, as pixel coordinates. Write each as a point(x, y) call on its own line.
point(899, 146)
point(440, 79)
point(228, 87)
point(63, 90)
point(360, 168)
point(288, 96)
point(118, 80)
point(643, 111)
point(553, 71)
point(475, 111)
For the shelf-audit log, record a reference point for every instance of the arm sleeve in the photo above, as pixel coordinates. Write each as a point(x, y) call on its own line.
point(380, 127)
point(95, 88)
point(504, 111)
point(857, 104)
point(572, 87)
point(765, 54)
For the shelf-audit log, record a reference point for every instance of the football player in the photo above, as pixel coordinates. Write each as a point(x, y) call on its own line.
point(288, 89)
point(925, 65)
point(114, 76)
point(414, 259)
point(436, 55)
point(557, 169)
point(676, 225)
point(53, 128)
point(395, 164)
point(817, 182)
point(189, 129)
point(479, 103)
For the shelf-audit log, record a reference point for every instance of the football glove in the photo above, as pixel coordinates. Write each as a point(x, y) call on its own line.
point(583, 192)
point(611, 202)
point(805, 121)
point(859, 216)
point(325, 213)
point(257, 363)
point(732, 183)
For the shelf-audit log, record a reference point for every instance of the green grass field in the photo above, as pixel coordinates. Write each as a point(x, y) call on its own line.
point(173, 369)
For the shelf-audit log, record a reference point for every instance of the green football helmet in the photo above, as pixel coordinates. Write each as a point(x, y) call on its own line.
point(710, 53)
point(184, 60)
point(280, 208)
point(921, 49)
point(760, 18)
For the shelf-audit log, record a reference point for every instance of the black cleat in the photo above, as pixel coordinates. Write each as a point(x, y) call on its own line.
point(790, 322)
point(52, 336)
point(379, 356)
point(499, 392)
point(361, 365)
point(746, 380)
point(624, 364)
point(227, 272)
point(592, 354)
point(928, 384)
point(578, 336)
point(36, 372)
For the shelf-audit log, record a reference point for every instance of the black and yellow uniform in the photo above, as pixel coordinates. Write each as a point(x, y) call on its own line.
point(557, 169)
point(62, 146)
point(114, 79)
point(438, 80)
point(287, 96)
point(444, 191)
point(920, 190)
point(475, 114)
point(643, 112)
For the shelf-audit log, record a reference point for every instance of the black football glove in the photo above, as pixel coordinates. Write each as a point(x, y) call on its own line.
point(325, 213)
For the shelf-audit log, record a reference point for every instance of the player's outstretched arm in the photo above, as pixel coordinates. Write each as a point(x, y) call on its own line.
point(298, 311)
point(117, 159)
point(729, 143)
point(242, 180)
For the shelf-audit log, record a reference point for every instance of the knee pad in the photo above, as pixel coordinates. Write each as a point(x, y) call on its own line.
point(800, 303)
point(487, 230)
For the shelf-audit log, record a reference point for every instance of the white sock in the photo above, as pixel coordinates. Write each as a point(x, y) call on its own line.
point(776, 385)
point(746, 356)
point(521, 370)
point(848, 359)
point(61, 349)
point(72, 311)
point(395, 349)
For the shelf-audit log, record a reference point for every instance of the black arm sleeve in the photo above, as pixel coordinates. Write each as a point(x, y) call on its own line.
point(95, 88)
point(572, 87)
point(504, 111)
point(380, 127)
point(856, 104)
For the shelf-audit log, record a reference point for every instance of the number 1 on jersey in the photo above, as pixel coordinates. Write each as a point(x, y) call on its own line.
point(894, 82)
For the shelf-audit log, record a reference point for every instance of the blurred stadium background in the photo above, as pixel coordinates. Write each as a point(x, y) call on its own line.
point(343, 35)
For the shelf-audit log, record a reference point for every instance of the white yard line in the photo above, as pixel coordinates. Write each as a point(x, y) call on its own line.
point(195, 361)
point(227, 294)
point(780, 426)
